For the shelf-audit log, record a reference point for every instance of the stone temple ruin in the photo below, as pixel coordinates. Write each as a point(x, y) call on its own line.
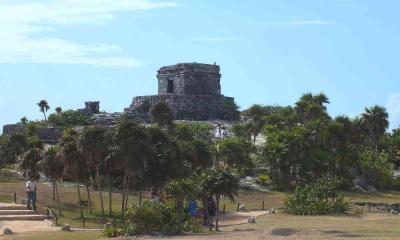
point(90, 108)
point(192, 91)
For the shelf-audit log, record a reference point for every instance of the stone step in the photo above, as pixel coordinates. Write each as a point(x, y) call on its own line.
point(22, 217)
point(13, 207)
point(17, 212)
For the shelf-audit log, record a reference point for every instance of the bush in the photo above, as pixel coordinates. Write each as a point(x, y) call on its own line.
point(319, 198)
point(151, 218)
point(264, 180)
point(112, 231)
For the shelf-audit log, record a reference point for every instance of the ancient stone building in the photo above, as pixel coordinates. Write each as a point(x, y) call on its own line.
point(192, 90)
point(90, 108)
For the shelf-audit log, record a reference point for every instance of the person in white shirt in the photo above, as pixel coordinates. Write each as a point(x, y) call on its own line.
point(218, 132)
point(31, 187)
point(223, 133)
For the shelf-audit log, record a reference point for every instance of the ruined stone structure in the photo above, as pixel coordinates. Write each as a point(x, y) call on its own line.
point(90, 108)
point(192, 91)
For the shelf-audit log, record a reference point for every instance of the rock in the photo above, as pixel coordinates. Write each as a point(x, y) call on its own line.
point(271, 211)
point(371, 189)
point(252, 220)
point(7, 231)
point(242, 208)
point(108, 225)
point(66, 227)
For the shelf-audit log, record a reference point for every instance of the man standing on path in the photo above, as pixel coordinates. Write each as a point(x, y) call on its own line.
point(31, 187)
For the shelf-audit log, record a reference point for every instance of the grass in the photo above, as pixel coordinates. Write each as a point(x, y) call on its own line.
point(81, 235)
point(374, 225)
point(69, 203)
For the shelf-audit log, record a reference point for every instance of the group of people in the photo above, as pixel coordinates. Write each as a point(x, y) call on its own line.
point(220, 132)
point(208, 212)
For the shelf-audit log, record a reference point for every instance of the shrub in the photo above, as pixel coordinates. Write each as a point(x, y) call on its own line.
point(112, 231)
point(153, 218)
point(319, 198)
point(264, 180)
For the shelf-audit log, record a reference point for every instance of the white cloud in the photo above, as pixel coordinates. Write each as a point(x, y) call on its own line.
point(309, 22)
point(214, 39)
point(24, 24)
point(393, 108)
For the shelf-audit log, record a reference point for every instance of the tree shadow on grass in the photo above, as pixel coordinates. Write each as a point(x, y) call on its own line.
point(283, 232)
point(342, 234)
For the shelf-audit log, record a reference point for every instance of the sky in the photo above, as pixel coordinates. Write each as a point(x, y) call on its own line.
point(269, 51)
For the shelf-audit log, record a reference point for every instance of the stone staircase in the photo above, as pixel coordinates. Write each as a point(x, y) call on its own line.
point(14, 212)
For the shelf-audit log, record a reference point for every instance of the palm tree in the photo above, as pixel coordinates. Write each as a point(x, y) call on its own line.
point(33, 153)
point(180, 190)
point(93, 145)
point(24, 120)
point(220, 182)
point(44, 107)
point(162, 115)
point(376, 121)
point(129, 149)
point(58, 110)
point(73, 159)
point(53, 167)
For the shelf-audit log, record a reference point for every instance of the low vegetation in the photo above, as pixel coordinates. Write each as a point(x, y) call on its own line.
point(319, 198)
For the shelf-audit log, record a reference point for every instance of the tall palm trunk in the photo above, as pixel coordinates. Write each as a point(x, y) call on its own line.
point(54, 190)
point(58, 200)
point(123, 199)
point(127, 192)
point(217, 214)
point(88, 193)
point(98, 180)
point(78, 188)
point(109, 194)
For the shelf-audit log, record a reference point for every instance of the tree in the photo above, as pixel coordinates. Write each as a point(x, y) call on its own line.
point(93, 145)
point(30, 158)
point(180, 190)
point(44, 107)
point(195, 145)
point(311, 107)
point(129, 149)
point(54, 119)
point(24, 120)
point(162, 115)
point(164, 161)
point(53, 167)
point(257, 114)
point(376, 121)
point(234, 152)
point(74, 161)
point(230, 111)
point(58, 110)
point(220, 182)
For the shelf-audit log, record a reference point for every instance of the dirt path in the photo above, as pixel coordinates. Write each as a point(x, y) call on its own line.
point(27, 226)
point(236, 218)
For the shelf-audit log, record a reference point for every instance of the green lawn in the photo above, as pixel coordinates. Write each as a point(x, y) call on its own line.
point(58, 235)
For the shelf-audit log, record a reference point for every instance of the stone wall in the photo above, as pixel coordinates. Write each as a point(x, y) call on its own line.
point(48, 135)
point(190, 79)
point(12, 129)
point(188, 107)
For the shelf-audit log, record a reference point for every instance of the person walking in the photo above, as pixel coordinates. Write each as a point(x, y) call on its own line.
point(31, 187)
point(192, 207)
